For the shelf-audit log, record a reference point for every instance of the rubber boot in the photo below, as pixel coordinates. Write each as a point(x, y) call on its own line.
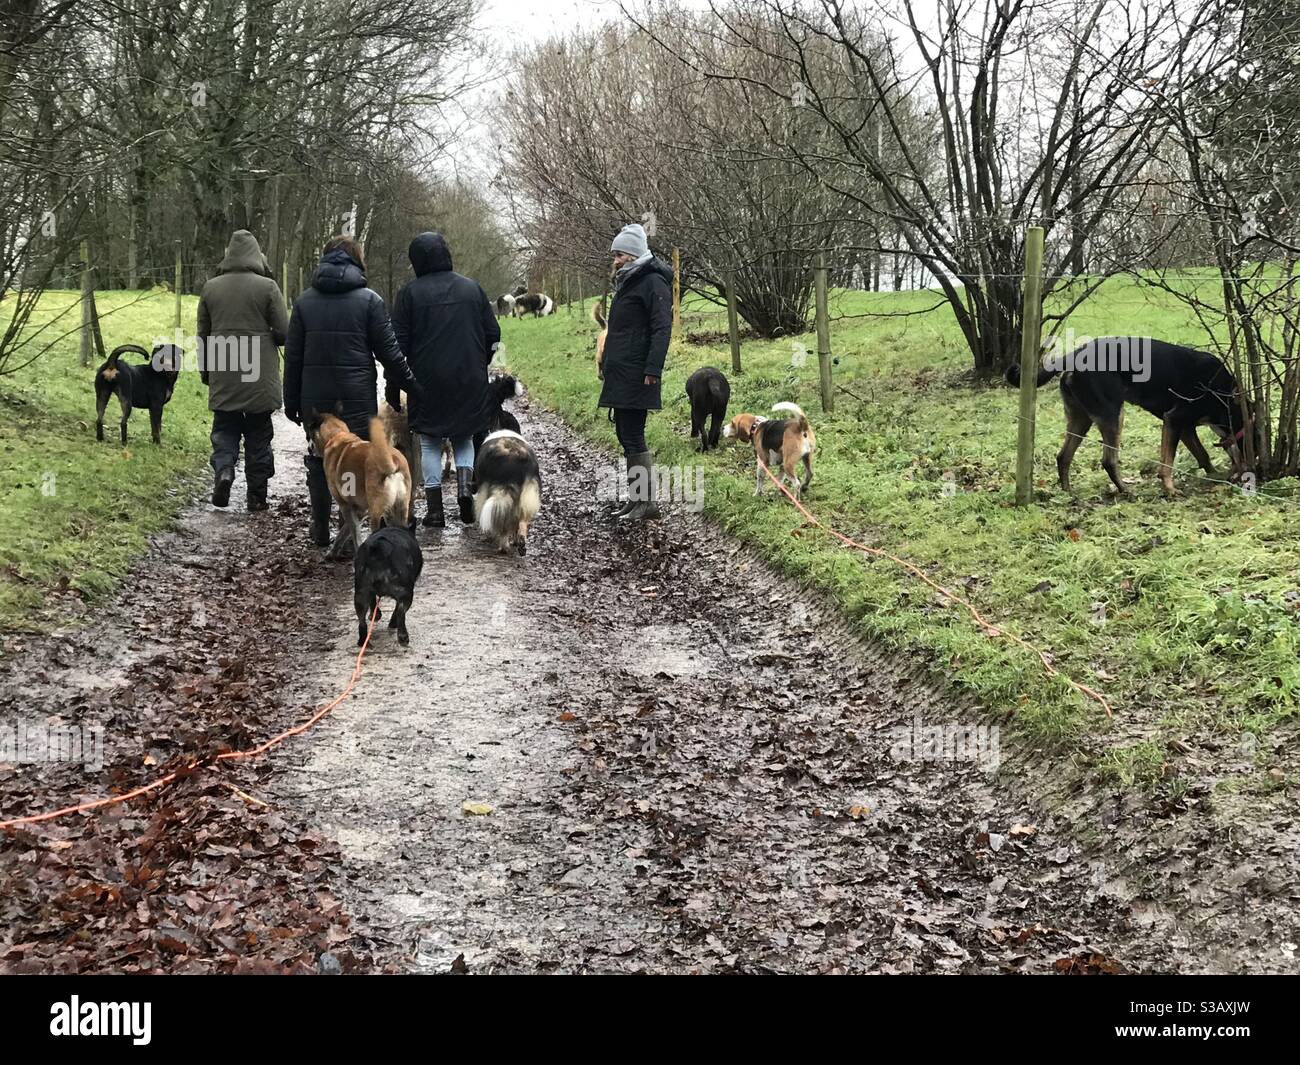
point(641, 488)
point(465, 494)
point(221, 486)
point(318, 492)
point(619, 509)
point(433, 515)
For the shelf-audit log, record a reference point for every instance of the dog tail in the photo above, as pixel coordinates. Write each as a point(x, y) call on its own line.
point(387, 454)
point(598, 313)
point(122, 349)
point(498, 513)
point(1044, 375)
point(796, 410)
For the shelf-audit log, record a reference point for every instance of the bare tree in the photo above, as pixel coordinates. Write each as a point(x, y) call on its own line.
point(1036, 116)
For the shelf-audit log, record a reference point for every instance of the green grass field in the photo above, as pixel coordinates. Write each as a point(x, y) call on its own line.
point(1185, 614)
point(75, 512)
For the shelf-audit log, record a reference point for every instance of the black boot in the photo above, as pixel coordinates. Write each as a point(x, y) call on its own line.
point(221, 486)
point(433, 515)
point(257, 498)
point(465, 494)
point(641, 488)
point(318, 491)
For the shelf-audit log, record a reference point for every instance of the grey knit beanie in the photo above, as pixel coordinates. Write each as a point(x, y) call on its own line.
point(631, 241)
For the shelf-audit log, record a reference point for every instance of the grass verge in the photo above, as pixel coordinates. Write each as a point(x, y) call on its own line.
point(74, 512)
point(1184, 613)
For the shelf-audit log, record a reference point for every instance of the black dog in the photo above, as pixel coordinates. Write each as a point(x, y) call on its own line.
point(137, 385)
point(709, 392)
point(1181, 386)
point(387, 564)
point(501, 389)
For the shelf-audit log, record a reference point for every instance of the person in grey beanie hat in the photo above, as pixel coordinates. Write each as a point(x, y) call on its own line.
point(639, 328)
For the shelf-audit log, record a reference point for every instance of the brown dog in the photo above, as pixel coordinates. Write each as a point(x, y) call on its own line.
point(598, 316)
point(779, 442)
point(366, 477)
point(397, 428)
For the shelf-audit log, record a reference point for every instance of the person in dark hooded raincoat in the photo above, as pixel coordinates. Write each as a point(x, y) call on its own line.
point(338, 329)
point(445, 324)
point(241, 325)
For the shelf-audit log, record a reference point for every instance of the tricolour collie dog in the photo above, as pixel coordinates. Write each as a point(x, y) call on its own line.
point(509, 491)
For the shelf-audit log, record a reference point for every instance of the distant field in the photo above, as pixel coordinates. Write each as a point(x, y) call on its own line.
point(75, 512)
point(1185, 614)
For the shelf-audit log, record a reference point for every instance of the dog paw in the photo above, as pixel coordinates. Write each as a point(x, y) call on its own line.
point(404, 639)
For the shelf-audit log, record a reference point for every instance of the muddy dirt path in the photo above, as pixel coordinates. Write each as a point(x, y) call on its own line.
point(688, 766)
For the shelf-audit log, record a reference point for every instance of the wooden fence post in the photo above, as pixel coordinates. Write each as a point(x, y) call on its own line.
point(677, 295)
point(823, 334)
point(733, 325)
point(87, 294)
point(284, 284)
point(178, 284)
point(1031, 338)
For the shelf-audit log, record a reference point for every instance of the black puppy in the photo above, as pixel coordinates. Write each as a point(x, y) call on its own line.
point(387, 564)
point(1181, 386)
point(709, 392)
point(137, 385)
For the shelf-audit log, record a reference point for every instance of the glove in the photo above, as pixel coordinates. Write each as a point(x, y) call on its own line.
point(393, 397)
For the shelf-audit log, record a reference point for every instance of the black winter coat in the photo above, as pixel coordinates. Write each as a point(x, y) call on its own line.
point(640, 327)
point(447, 328)
point(337, 330)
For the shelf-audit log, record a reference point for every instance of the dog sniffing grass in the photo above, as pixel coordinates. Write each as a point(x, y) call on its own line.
point(73, 512)
point(1185, 613)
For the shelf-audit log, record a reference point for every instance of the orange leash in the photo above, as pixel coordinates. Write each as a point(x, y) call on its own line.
point(990, 628)
point(184, 771)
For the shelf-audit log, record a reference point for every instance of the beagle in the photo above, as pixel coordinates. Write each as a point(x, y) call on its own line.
point(783, 442)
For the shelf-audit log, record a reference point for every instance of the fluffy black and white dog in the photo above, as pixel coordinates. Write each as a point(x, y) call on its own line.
point(538, 304)
point(509, 491)
point(387, 564)
point(501, 389)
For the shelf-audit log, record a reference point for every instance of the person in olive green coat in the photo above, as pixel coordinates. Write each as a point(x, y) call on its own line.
point(242, 325)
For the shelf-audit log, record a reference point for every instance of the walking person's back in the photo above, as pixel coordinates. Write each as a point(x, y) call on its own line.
point(241, 325)
point(449, 332)
point(338, 330)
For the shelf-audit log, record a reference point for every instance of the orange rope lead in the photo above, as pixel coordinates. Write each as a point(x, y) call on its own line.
point(135, 793)
point(989, 627)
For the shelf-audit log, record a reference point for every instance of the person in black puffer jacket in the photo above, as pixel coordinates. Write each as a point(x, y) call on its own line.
point(640, 326)
point(337, 330)
point(445, 324)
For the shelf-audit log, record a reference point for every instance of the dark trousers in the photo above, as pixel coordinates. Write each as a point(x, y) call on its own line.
point(229, 427)
point(630, 427)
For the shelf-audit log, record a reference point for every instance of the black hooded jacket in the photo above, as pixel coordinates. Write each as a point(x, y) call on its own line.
point(446, 325)
point(337, 330)
point(640, 328)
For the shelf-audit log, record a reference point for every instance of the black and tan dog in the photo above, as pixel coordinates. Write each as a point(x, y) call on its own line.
point(149, 385)
point(778, 442)
point(366, 477)
point(709, 392)
point(1181, 386)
